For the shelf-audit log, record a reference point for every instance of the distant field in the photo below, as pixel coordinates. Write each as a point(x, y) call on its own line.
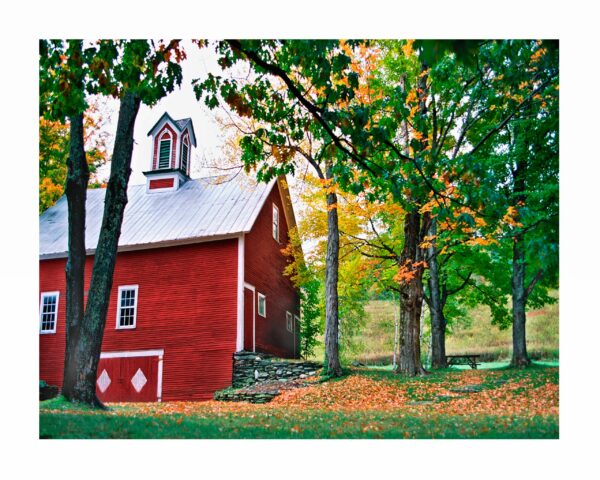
point(475, 335)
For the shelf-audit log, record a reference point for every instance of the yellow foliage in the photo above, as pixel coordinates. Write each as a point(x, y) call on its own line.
point(407, 48)
point(537, 55)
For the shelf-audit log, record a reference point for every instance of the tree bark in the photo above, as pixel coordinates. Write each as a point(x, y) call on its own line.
point(520, 358)
point(332, 356)
point(76, 191)
point(86, 352)
point(411, 300)
point(436, 307)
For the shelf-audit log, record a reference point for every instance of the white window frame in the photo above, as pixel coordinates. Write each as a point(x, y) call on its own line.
point(135, 302)
point(296, 321)
point(44, 295)
point(264, 298)
point(275, 224)
point(289, 322)
point(165, 136)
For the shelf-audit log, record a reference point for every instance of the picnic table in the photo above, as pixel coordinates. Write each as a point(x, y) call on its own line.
point(465, 359)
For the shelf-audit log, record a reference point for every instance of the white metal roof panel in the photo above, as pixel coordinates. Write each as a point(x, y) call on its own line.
point(199, 209)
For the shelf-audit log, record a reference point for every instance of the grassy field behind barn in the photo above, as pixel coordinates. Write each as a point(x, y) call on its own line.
point(472, 334)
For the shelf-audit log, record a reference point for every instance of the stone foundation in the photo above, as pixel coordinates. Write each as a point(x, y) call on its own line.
point(250, 368)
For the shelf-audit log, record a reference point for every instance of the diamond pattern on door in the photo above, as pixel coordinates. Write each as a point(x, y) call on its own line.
point(103, 381)
point(131, 379)
point(139, 380)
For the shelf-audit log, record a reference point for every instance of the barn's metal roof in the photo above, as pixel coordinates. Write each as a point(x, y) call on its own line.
point(200, 210)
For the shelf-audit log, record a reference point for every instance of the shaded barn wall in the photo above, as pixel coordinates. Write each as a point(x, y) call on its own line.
point(187, 305)
point(264, 265)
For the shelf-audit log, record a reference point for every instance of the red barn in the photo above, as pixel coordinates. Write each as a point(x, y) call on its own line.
point(199, 276)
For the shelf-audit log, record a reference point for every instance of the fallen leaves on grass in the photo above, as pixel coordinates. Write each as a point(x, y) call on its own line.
point(455, 393)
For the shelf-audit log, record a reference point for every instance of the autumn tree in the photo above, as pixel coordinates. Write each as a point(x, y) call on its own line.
point(134, 72)
point(421, 125)
point(54, 153)
point(277, 135)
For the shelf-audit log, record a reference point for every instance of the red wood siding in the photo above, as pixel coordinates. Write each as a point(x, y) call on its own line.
point(161, 183)
point(264, 265)
point(187, 305)
point(166, 127)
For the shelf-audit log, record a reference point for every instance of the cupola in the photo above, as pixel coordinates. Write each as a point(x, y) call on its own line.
point(172, 142)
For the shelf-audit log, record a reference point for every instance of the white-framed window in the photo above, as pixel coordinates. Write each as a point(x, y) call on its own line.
point(164, 151)
point(275, 222)
point(262, 305)
point(296, 321)
point(127, 306)
point(49, 312)
point(289, 321)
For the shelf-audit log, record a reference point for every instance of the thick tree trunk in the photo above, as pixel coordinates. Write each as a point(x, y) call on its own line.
point(519, 295)
point(332, 356)
point(520, 358)
point(86, 353)
point(76, 190)
point(411, 299)
point(438, 321)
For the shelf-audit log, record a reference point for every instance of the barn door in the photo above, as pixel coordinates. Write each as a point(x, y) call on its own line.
point(129, 377)
point(249, 313)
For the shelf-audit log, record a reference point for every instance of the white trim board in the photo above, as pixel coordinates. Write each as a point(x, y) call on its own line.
point(240, 295)
point(253, 290)
point(138, 353)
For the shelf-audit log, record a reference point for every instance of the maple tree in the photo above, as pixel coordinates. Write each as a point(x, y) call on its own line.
point(134, 72)
point(278, 135)
point(425, 129)
point(424, 122)
point(524, 163)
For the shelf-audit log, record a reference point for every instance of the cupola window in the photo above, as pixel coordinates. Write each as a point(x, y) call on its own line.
point(184, 155)
point(164, 151)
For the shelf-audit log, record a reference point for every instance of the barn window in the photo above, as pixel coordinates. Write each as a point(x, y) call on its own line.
point(48, 312)
point(296, 320)
point(127, 306)
point(164, 151)
point(289, 321)
point(275, 222)
point(185, 149)
point(262, 305)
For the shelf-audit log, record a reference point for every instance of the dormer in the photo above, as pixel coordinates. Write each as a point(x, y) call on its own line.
point(170, 162)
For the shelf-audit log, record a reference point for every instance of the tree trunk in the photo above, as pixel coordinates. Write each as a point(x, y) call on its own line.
point(519, 295)
point(438, 322)
point(332, 356)
point(411, 300)
point(519, 299)
point(76, 190)
point(86, 352)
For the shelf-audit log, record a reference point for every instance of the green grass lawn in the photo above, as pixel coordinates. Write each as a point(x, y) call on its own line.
point(368, 403)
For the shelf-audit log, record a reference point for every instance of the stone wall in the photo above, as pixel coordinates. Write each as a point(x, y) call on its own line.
point(250, 368)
